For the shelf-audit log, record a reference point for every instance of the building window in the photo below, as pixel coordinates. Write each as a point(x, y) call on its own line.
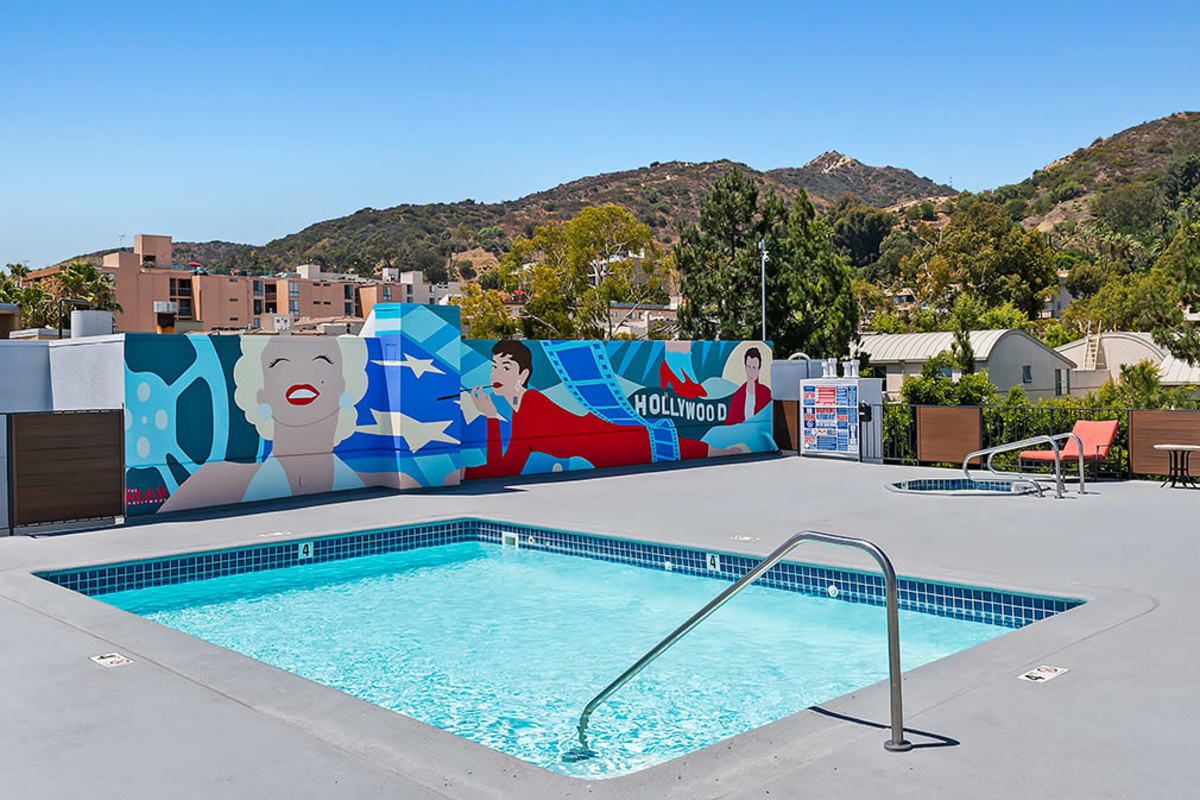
point(293, 289)
point(1027, 374)
point(1058, 383)
point(294, 307)
point(347, 291)
point(256, 323)
point(1068, 381)
point(258, 306)
point(945, 372)
point(258, 287)
point(387, 293)
point(349, 309)
point(233, 299)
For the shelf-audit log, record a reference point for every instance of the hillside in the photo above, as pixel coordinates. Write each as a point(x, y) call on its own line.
point(1061, 191)
point(663, 195)
point(832, 174)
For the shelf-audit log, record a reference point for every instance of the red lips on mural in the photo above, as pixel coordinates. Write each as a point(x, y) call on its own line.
point(301, 394)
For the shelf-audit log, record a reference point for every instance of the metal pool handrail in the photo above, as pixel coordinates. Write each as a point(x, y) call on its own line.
point(896, 743)
point(991, 452)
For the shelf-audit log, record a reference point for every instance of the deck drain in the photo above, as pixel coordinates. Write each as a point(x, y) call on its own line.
point(1042, 674)
point(111, 660)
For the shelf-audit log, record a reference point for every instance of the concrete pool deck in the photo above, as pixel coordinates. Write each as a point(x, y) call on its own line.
point(189, 719)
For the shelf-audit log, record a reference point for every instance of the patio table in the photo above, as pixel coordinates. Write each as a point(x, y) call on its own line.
point(1178, 471)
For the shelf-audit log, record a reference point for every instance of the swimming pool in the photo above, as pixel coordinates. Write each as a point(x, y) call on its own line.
point(965, 486)
point(504, 645)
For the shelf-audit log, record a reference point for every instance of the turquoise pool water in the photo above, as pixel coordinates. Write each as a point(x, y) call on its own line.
point(504, 646)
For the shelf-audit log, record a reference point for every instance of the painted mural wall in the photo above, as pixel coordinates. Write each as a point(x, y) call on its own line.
point(218, 419)
point(544, 406)
point(223, 419)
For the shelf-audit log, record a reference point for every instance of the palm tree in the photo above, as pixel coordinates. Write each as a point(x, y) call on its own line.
point(86, 281)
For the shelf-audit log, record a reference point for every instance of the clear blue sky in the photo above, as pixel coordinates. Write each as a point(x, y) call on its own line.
point(246, 122)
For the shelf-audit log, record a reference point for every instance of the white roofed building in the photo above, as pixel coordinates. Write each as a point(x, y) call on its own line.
point(1100, 357)
point(1011, 357)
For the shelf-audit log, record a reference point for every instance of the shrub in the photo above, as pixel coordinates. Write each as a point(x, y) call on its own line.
point(1066, 190)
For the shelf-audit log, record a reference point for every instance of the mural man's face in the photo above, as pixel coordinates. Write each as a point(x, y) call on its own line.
point(302, 383)
point(507, 377)
point(752, 367)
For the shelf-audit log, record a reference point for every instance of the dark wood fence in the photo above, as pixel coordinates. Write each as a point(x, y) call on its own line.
point(66, 465)
point(1148, 428)
point(948, 433)
point(787, 424)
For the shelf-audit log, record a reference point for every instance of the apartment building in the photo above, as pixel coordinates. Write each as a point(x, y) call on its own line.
point(148, 281)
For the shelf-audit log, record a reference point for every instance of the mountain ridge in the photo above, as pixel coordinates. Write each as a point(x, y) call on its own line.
point(662, 194)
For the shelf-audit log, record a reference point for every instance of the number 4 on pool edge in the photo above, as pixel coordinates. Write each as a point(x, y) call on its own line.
point(714, 562)
point(304, 550)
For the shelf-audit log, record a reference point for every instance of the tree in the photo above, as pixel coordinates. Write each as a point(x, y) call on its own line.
point(1181, 180)
point(936, 386)
point(858, 232)
point(17, 271)
point(1140, 386)
point(894, 247)
point(85, 281)
point(1136, 302)
point(38, 307)
point(1179, 266)
point(484, 314)
point(1129, 208)
point(810, 302)
point(989, 255)
point(962, 350)
point(490, 279)
point(572, 272)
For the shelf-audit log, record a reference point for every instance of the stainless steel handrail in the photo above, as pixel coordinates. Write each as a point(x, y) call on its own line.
point(1055, 437)
point(895, 743)
point(1079, 444)
point(990, 452)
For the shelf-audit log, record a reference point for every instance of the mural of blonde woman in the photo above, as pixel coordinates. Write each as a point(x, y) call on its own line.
point(300, 395)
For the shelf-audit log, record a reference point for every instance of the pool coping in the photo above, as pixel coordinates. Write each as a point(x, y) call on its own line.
point(458, 767)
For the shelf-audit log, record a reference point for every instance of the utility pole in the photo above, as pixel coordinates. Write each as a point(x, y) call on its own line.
point(762, 248)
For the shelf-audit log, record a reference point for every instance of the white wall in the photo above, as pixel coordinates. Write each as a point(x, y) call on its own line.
point(1014, 351)
point(88, 374)
point(25, 376)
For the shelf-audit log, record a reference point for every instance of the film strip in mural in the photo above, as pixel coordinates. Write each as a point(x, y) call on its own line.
point(584, 368)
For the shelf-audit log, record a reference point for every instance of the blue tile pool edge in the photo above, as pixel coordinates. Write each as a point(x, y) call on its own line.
point(973, 603)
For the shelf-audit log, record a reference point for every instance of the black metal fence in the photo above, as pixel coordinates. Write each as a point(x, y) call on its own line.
point(1002, 424)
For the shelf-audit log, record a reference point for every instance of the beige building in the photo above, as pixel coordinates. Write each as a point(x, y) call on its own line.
point(1100, 357)
point(639, 319)
point(147, 283)
point(1011, 357)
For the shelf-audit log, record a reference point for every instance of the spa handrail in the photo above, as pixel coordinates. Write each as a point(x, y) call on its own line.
point(1055, 437)
point(990, 452)
point(895, 743)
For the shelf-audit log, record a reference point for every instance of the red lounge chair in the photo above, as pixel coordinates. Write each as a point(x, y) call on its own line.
point(1097, 438)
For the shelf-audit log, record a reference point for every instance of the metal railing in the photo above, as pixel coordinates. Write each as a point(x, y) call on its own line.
point(991, 452)
point(895, 743)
